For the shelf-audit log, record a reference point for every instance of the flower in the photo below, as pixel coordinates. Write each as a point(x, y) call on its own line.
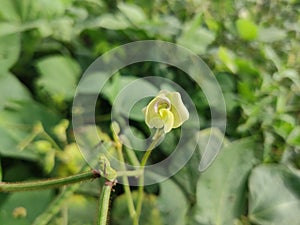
point(166, 111)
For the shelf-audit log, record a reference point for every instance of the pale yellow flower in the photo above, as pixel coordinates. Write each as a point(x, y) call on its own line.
point(166, 111)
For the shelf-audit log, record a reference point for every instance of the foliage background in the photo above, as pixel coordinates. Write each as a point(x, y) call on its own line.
point(253, 49)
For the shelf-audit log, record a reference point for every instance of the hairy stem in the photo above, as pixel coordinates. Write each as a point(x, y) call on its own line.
point(57, 182)
point(104, 202)
point(43, 184)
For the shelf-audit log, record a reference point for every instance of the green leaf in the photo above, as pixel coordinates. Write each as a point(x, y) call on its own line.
point(195, 37)
point(18, 126)
point(132, 12)
point(150, 214)
point(9, 51)
point(173, 209)
point(228, 58)
point(284, 124)
point(124, 92)
point(271, 34)
point(7, 28)
point(11, 90)
point(221, 189)
point(274, 196)
point(59, 76)
point(81, 210)
point(247, 29)
point(294, 137)
point(271, 54)
point(109, 21)
point(8, 11)
point(29, 205)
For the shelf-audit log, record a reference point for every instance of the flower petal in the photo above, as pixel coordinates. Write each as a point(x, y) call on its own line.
point(156, 122)
point(167, 118)
point(180, 112)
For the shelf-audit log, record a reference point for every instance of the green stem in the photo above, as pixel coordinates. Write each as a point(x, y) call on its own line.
point(43, 184)
point(126, 186)
point(104, 202)
point(129, 173)
point(132, 157)
point(158, 134)
point(57, 182)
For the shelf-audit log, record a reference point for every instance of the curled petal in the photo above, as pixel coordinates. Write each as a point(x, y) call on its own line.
point(168, 119)
point(180, 112)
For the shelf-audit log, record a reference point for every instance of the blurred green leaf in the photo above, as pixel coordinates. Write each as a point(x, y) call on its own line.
point(59, 76)
point(173, 209)
point(274, 196)
point(81, 210)
point(150, 214)
point(10, 48)
point(134, 13)
point(271, 34)
point(18, 125)
point(8, 11)
point(7, 28)
point(246, 91)
point(109, 21)
point(294, 137)
point(284, 125)
point(11, 90)
point(29, 205)
point(207, 140)
point(273, 56)
point(247, 29)
point(221, 189)
point(195, 37)
point(124, 92)
point(228, 58)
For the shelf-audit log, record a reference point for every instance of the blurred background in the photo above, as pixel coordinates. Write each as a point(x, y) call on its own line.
point(253, 49)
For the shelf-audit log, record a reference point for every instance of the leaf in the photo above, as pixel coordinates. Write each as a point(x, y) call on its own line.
point(221, 189)
point(132, 12)
point(173, 210)
point(274, 196)
point(7, 28)
point(18, 126)
point(126, 93)
point(11, 89)
point(273, 56)
point(9, 51)
point(59, 76)
point(228, 58)
point(271, 34)
point(150, 214)
point(31, 204)
point(195, 37)
point(294, 137)
point(81, 210)
point(247, 29)
point(211, 141)
point(8, 11)
point(109, 21)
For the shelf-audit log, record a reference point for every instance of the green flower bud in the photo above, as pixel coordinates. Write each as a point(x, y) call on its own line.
point(166, 111)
